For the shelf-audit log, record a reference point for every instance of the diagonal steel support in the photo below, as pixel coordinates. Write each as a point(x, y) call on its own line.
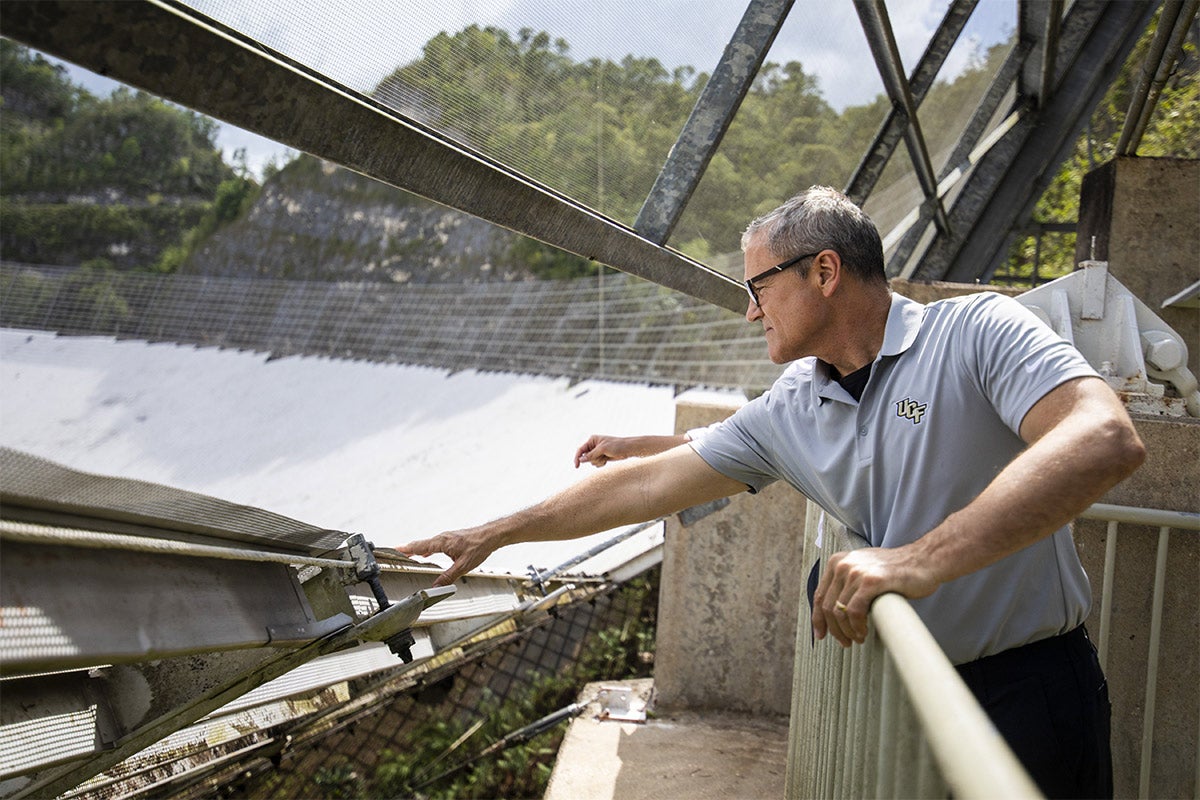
point(1173, 25)
point(1050, 37)
point(960, 159)
point(1003, 189)
point(175, 53)
point(1033, 22)
point(720, 100)
point(878, 29)
point(892, 130)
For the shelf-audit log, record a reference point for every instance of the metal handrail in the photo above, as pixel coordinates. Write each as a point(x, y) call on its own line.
point(890, 717)
point(1165, 521)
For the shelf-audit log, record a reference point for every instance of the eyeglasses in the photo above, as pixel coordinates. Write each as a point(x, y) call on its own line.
point(752, 290)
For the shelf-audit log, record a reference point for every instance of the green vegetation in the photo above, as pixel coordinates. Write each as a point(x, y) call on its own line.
point(120, 178)
point(60, 140)
point(1173, 132)
point(597, 130)
point(616, 653)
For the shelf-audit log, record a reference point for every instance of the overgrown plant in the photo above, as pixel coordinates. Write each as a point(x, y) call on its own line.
point(439, 761)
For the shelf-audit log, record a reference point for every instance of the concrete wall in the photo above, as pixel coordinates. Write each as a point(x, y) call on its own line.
point(1145, 216)
point(731, 586)
point(1169, 479)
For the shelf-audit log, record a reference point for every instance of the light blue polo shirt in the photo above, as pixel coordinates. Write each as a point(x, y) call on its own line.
point(937, 421)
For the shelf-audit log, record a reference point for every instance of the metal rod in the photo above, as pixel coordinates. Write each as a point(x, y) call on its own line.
point(1050, 49)
point(1106, 595)
point(862, 182)
point(710, 118)
point(545, 575)
point(1160, 578)
point(1164, 55)
point(882, 42)
point(1143, 516)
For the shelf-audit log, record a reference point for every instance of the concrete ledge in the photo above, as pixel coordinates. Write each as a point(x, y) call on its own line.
point(688, 755)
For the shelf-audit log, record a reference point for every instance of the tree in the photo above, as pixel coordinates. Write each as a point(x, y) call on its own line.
point(1173, 131)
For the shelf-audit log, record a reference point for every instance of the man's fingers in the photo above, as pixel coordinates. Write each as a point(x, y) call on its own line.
point(854, 620)
point(586, 450)
point(837, 608)
point(420, 547)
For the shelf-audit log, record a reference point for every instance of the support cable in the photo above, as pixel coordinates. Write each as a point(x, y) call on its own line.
point(100, 540)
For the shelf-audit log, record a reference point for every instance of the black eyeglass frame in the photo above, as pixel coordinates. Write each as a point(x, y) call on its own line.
point(753, 291)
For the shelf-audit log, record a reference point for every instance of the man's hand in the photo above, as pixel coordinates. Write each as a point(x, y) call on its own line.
point(1081, 444)
point(467, 547)
point(624, 495)
point(852, 580)
point(600, 448)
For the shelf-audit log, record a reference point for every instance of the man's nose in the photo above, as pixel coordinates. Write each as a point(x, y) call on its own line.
point(753, 312)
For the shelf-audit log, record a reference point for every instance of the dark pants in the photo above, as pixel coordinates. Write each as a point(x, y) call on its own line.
point(1049, 700)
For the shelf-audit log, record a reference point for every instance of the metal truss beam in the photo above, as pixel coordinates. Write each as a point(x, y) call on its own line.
point(170, 51)
point(1038, 27)
point(1032, 16)
point(68, 607)
point(882, 41)
point(1173, 25)
point(702, 134)
point(859, 187)
point(960, 160)
point(55, 781)
point(1002, 190)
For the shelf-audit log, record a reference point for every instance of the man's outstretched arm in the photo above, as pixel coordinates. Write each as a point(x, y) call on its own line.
point(1081, 443)
point(630, 492)
point(601, 448)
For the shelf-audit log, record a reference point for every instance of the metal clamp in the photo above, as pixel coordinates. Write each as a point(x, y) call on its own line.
point(393, 624)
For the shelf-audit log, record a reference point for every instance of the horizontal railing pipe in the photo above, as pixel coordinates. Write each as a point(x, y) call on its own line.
point(966, 746)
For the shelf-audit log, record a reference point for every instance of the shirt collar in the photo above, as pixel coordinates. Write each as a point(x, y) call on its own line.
point(900, 331)
point(903, 325)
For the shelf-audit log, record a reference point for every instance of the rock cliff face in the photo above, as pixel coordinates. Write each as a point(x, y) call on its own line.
point(316, 221)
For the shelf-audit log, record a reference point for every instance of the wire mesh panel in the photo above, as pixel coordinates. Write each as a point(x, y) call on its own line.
point(622, 329)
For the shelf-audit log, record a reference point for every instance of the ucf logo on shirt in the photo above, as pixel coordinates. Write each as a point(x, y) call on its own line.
point(911, 410)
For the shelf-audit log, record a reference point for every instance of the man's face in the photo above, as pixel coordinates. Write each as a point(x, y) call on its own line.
point(791, 307)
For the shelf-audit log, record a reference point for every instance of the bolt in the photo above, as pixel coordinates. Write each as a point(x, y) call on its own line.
point(1161, 350)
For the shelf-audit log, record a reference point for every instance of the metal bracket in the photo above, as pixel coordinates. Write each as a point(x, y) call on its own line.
point(690, 516)
point(621, 703)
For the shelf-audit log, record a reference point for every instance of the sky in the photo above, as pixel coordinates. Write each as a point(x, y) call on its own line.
point(367, 39)
point(390, 451)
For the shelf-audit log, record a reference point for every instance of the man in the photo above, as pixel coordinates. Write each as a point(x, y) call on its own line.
point(958, 438)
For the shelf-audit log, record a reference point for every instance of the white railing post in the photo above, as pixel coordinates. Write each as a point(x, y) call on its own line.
point(890, 717)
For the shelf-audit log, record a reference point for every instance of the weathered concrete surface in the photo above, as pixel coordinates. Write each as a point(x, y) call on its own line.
point(686, 755)
point(1170, 479)
point(731, 586)
point(1143, 214)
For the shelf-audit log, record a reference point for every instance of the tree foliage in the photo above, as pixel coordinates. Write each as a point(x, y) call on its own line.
point(1173, 132)
point(60, 140)
point(598, 130)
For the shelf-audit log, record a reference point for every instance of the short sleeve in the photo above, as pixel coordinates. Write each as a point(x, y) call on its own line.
point(1015, 357)
point(734, 446)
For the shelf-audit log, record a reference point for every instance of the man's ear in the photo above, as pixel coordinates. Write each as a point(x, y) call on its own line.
point(828, 267)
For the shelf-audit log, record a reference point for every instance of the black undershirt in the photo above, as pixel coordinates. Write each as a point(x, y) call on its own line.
point(855, 382)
